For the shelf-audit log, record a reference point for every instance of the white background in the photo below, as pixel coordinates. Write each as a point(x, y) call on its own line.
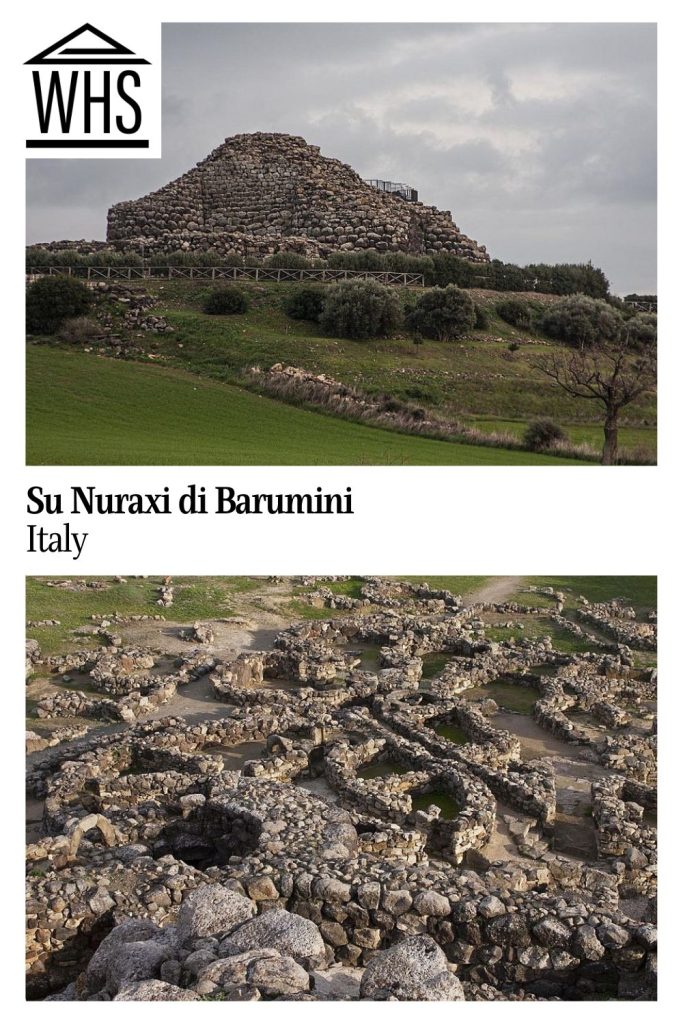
point(450, 520)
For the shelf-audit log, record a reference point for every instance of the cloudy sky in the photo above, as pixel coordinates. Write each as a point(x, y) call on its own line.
point(540, 139)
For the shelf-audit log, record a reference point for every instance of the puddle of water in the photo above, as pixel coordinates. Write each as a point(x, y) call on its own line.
point(507, 695)
point(451, 732)
point(447, 803)
point(380, 769)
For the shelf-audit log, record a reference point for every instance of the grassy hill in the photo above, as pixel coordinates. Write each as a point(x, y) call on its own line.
point(83, 409)
point(478, 381)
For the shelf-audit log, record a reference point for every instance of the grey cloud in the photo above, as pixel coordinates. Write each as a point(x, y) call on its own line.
point(541, 139)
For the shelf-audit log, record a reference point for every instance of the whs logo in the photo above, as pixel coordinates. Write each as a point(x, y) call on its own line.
point(90, 95)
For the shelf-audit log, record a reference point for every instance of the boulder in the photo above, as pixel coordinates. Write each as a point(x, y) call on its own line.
point(552, 933)
point(415, 969)
point(153, 991)
point(212, 910)
point(135, 930)
point(134, 961)
point(288, 933)
point(431, 904)
point(274, 976)
point(586, 944)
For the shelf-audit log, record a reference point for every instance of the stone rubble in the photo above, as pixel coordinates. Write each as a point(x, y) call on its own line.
point(356, 856)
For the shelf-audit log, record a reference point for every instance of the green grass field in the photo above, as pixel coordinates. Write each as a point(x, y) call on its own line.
point(477, 381)
point(86, 410)
point(475, 378)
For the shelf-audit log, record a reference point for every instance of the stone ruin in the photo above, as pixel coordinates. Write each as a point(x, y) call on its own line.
point(323, 868)
point(262, 193)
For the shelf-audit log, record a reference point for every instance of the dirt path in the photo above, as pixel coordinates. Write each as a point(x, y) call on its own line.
point(496, 590)
point(256, 632)
point(575, 770)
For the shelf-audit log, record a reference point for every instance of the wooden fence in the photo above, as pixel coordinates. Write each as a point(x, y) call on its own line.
point(230, 274)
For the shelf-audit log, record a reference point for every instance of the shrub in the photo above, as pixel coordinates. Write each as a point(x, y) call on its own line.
point(542, 434)
point(288, 261)
point(580, 321)
point(450, 269)
point(79, 330)
point(641, 329)
point(305, 303)
point(517, 312)
point(365, 259)
point(481, 317)
point(361, 309)
point(52, 300)
point(443, 313)
point(225, 300)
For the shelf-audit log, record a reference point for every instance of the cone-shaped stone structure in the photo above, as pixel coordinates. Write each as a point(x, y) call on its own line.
point(265, 193)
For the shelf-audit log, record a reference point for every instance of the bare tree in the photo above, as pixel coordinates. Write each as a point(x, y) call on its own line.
point(613, 373)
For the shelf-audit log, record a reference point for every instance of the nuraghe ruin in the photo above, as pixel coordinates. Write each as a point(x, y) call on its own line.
point(351, 812)
point(265, 193)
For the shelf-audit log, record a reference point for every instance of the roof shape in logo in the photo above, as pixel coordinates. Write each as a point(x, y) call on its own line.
point(87, 49)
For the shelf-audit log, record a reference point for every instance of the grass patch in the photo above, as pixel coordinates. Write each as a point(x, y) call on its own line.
point(449, 806)
point(640, 591)
point(380, 769)
point(346, 588)
point(508, 696)
point(539, 626)
point(463, 585)
point(301, 610)
point(452, 732)
point(84, 409)
point(632, 439)
point(196, 597)
point(434, 663)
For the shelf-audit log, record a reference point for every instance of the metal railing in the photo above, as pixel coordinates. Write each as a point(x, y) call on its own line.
point(399, 188)
point(642, 305)
point(277, 274)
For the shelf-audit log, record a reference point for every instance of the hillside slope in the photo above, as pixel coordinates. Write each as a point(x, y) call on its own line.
point(83, 409)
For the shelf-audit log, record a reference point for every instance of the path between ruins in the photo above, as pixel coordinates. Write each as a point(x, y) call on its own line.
point(495, 591)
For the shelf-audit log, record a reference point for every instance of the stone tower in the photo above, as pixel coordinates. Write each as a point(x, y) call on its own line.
point(264, 193)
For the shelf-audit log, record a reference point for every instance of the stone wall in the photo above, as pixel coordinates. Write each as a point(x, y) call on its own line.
point(264, 193)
